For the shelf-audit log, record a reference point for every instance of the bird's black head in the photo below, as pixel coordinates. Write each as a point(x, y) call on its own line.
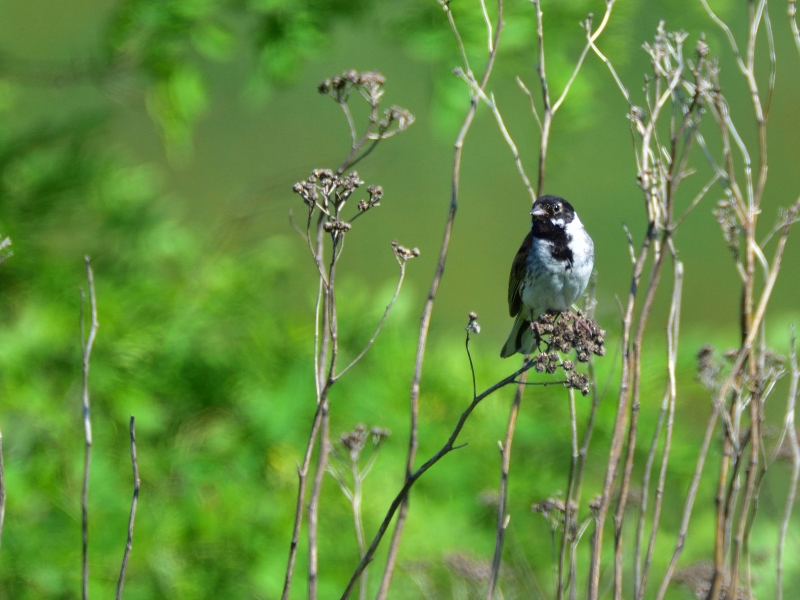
point(556, 210)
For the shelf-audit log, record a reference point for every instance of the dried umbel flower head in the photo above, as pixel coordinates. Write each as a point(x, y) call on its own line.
point(339, 87)
point(469, 568)
point(402, 253)
point(699, 576)
point(564, 332)
point(553, 510)
point(397, 116)
point(712, 369)
point(328, 193)
point(473, 326)
point(356, 440)
point(375, 194)
point(726, 217)
point(379, 434)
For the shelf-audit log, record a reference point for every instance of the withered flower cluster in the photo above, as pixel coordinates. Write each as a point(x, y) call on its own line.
point(370, 85)
point(402, 253)
point(726, 218)
point(564, 332)
point(355, 440)
point(340, 86)
point(553, 509)
point(328, 193)
point(698, 578)
point(713, 369)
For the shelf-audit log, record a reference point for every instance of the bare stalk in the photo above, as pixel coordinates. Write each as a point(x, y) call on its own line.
point(549, 108)
point(302, 477)
point(667, 413)
point(502, 517)
point(87, 344)
point(2, 489)
point(136, 482)
point(313, 502)
point(570, 514)
point(448, 447)
point(382, 321)
point(427, 310)
point(790, 437)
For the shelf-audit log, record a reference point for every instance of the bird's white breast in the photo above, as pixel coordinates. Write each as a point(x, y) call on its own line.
point(555, 284)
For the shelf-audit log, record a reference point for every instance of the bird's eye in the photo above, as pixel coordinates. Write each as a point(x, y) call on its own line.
point(557, 208)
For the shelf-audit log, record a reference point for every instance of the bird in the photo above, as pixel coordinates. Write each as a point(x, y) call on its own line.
point(550, 271)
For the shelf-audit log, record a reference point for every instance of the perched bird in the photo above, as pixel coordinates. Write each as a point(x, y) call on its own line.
point(550, 271)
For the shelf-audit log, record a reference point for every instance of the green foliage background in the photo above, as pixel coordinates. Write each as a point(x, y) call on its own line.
point(206, 303)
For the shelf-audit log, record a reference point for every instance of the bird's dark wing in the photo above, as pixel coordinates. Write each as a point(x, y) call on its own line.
point(518, 269)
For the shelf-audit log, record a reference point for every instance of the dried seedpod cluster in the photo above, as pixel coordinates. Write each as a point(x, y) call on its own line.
point(564, 332)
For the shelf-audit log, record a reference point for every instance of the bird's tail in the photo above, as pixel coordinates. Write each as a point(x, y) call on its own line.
point(520, 339)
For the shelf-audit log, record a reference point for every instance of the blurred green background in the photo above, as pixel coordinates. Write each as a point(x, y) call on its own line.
point(162, 138)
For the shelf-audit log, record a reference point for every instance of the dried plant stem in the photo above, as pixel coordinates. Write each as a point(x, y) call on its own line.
point(313, 502)
point(689, 504)
point(359, 526)
point(136, 483)
point(502, 517)
point(550, 108)
point(667, 413)
point(635, 372)
point(448, 447)
point(758, 315)
point(302, 476)
point(87, 345)
point(570, 515)
point(790, 437)
point(2, 490)
point(620, 422)
point(427, 310)
point(380, 324)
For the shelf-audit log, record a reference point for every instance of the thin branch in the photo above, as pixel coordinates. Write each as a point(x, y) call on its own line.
point(380, 323)
point(87, 345)
point(569, 514)
point(313, 502)
point(673, 329)
point(590, 38)
point(2, 490)
point(132, 517)
point(758, 316)
point(502, 517)
point(448, 447)
point(492, 104)
point(427, 310)
point(302, 476)
point(790, 434)
point(521, 84)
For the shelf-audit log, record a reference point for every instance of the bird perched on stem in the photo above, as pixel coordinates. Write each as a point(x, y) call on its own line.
point(549, 272)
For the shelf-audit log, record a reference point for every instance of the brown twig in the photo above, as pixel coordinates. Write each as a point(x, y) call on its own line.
point(790, 437)
point(502, 517)
point(427, 310)
point(132, 517)
point(2, 490)
point(448, 447)
point(380, 323)
point(667, 413)
point(302, 476)
point(86, 345)
point(570, 514)
point(313, 502)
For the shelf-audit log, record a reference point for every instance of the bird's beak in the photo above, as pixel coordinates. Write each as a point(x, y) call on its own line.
point(538, 211)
